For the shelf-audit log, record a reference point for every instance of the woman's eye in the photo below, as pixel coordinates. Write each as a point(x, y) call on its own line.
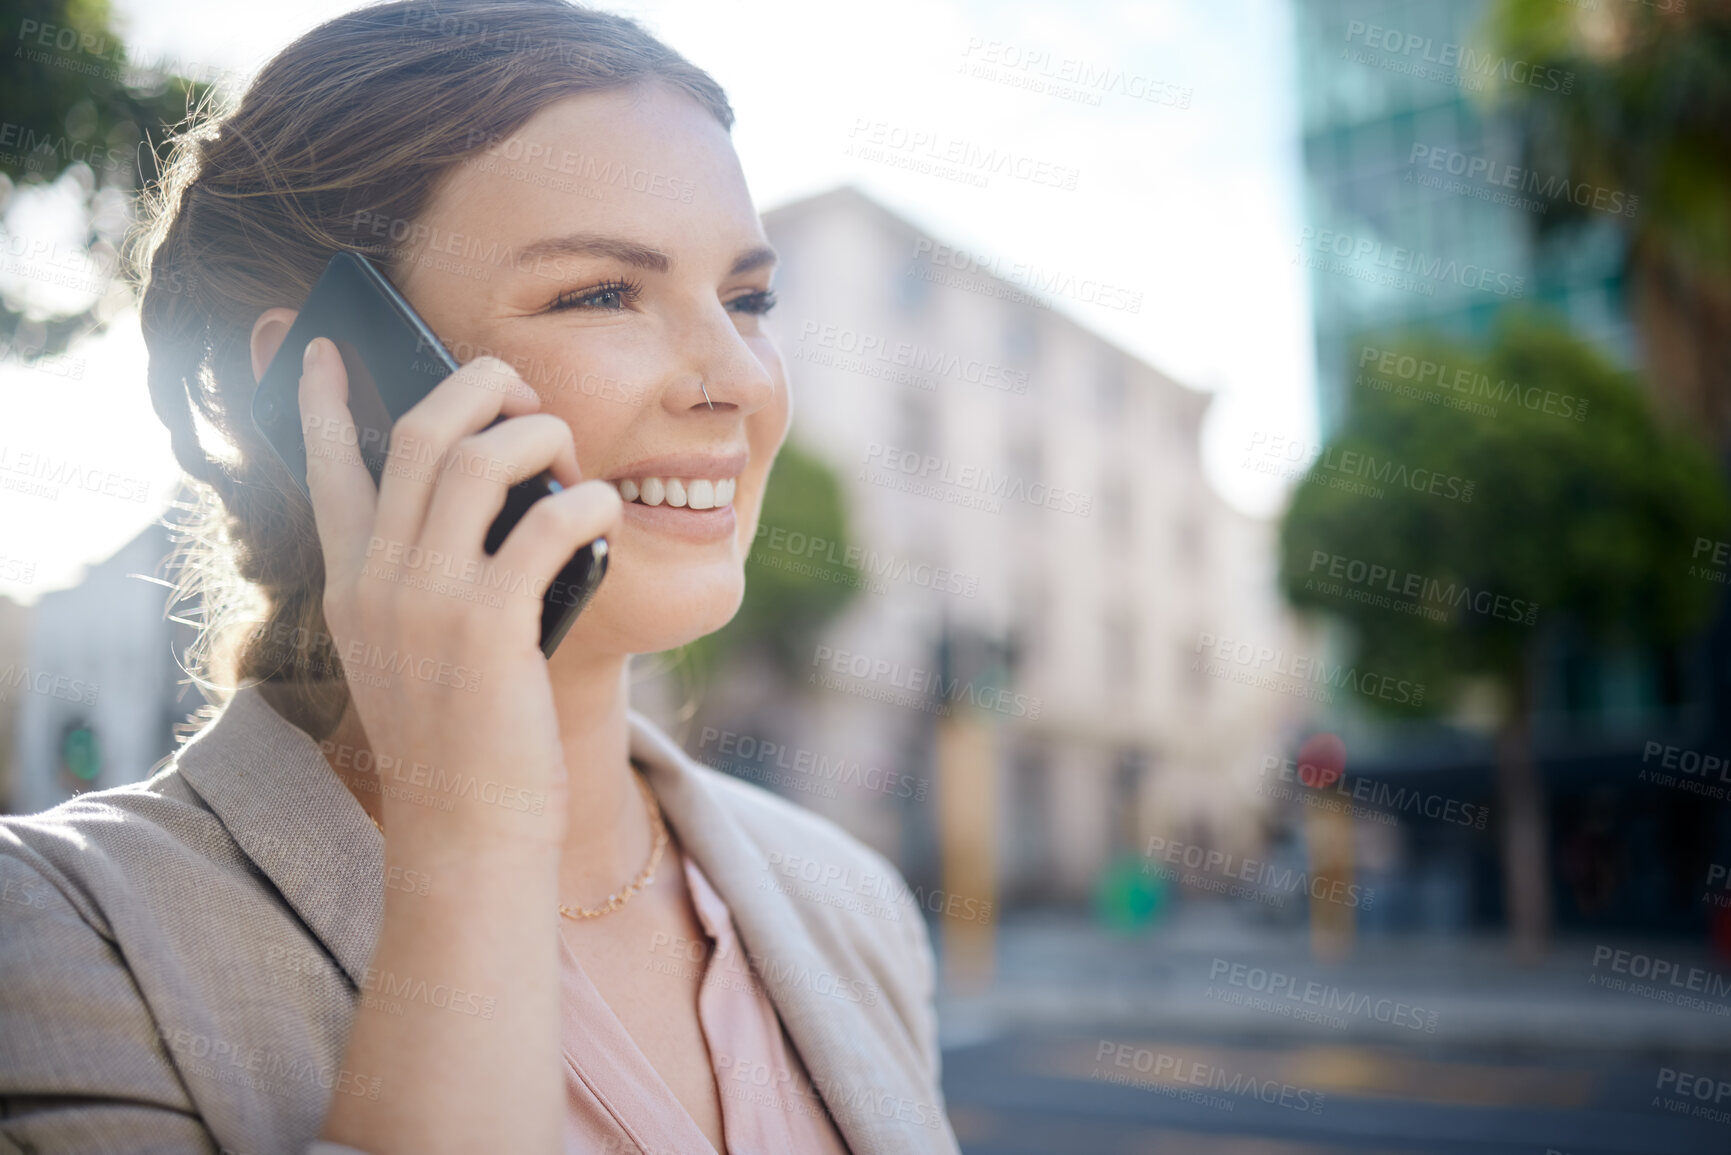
point(759, 302)
point(610, 297)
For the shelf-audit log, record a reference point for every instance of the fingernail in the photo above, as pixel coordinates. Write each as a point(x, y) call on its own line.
point(311, 355)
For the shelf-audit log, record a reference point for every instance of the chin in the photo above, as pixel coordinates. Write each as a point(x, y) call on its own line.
point(629, 617)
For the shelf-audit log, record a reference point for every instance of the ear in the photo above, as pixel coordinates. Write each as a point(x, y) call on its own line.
point(267, 336)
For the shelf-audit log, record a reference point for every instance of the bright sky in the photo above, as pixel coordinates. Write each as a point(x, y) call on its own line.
point(1193, 207)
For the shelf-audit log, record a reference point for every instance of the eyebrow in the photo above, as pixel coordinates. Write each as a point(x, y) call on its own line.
point(632, 253)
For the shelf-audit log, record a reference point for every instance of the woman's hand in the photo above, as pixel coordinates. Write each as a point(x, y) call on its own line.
point(459, 1007)
point(440, 642)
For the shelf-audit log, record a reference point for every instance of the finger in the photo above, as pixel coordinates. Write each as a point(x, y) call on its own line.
point(555, 527)
point(481, 467)
point(341, 489)
point(463, 403)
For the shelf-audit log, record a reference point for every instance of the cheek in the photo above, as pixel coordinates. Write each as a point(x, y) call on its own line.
point(596, 388)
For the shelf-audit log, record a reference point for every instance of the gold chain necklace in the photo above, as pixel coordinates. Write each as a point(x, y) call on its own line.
point(644, 876)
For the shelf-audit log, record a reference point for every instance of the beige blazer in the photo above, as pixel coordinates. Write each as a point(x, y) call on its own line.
point(180, 959)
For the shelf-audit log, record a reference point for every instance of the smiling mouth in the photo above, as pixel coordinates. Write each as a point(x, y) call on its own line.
point(678, 492)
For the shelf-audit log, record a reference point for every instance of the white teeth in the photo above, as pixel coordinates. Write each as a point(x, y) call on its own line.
point(680, 492)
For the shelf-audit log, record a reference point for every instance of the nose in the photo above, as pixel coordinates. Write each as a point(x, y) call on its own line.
point(717, 371)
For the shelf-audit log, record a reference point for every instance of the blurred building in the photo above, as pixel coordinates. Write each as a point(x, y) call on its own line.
point(1041, 556)
point(90, 689)
point(1422, 211)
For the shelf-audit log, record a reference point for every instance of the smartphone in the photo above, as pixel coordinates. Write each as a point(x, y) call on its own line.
point(393, 360)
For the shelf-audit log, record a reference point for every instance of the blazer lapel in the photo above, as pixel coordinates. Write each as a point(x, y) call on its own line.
point(842, 1049)
point(269, 783)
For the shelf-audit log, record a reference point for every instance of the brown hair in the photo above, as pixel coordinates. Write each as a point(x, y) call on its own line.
point(353, 123)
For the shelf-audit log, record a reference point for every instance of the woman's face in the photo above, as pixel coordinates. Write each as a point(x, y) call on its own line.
point(609, 251)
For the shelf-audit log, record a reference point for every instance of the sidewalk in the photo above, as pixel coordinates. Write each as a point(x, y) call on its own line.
point(1206, 971)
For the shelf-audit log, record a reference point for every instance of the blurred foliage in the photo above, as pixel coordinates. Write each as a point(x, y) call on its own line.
point(792, 588)
point(1649, 112)
point(1593, 519)
point(1648, 115)
point(74, 104)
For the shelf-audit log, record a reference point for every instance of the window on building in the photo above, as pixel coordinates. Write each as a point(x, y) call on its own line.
point(919, 420)
point(1021, 338)
point(1119, 651)
point(1115, 504)
point(1109, 389)
point(910, 290)
point(1191, 675)
point(1025, 457)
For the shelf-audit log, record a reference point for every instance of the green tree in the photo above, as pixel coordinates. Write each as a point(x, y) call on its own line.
point(797, 577)
point(1582, 509)
point(75, 104)
point(1645, 125)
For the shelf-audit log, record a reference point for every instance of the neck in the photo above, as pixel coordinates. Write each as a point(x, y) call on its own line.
point(607, 837)
point(607, 833)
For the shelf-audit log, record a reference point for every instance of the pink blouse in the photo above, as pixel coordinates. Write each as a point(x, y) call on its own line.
point(618, 1102)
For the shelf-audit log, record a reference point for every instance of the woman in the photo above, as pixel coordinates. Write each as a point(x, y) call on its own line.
point(562, 934)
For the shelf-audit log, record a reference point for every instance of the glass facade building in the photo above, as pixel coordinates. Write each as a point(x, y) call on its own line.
point(1420, 210)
